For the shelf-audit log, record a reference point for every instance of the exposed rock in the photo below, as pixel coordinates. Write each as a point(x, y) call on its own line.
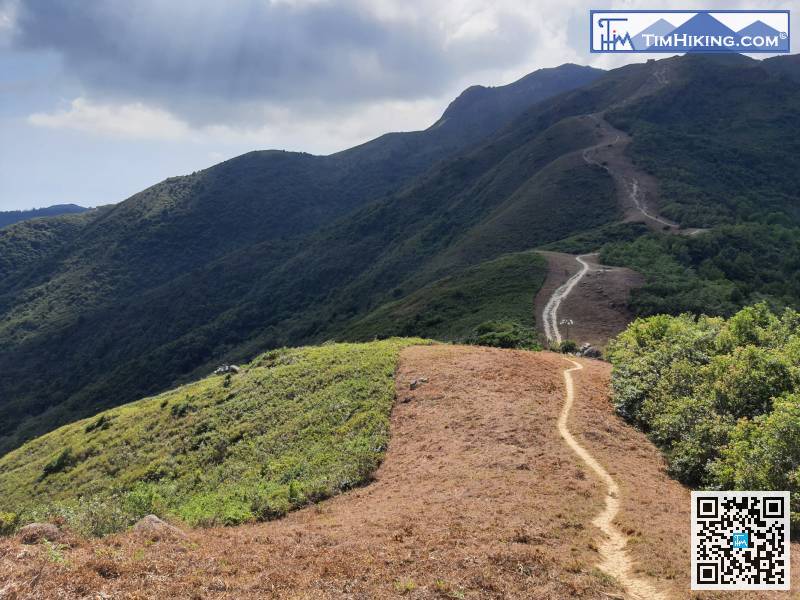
point(418, 382)
point(36, 532)
point(155, 529)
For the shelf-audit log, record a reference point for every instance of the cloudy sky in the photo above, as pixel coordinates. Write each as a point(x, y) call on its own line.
point(101, 98)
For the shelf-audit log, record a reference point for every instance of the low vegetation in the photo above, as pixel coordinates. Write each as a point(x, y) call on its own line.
point(490, 305)
point(716, 272)
point(722, 140)
point(720, 397)
point(296, 426)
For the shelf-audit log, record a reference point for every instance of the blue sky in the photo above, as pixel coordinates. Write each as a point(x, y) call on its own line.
point(102, 98)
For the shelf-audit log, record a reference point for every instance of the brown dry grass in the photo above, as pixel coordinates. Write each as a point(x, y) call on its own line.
point(478, 498)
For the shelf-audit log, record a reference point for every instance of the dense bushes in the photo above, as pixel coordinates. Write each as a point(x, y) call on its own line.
point(504, 334)
point(720, 397)
point(714, 273)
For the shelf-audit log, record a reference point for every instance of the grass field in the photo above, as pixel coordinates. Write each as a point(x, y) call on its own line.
point(295, 426)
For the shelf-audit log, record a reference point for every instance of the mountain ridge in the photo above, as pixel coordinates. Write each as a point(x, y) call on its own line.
point(158, 290)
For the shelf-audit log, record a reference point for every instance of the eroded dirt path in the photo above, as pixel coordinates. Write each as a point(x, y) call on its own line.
point(637, 189)
point(593, 308)
point(550, 312)
point(615, 559)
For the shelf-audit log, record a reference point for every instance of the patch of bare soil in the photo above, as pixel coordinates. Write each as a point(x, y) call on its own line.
point(596, 309)
point(637, 190)
point(478, 497)
point(654, 509)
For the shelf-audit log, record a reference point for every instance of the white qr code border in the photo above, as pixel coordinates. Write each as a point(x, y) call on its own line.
point(783, 525)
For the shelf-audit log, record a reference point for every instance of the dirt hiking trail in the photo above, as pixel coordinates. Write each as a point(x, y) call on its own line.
point(636, 189)
point(582, 300)
point(615, 559)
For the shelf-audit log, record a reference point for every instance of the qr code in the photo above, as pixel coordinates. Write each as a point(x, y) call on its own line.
point(740, 541)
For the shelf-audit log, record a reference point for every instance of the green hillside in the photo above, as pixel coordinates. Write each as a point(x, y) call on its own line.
point(453, 308)
point(279, 249)
point(295, 426)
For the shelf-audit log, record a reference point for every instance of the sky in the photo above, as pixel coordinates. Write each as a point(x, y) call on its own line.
point(101, 98)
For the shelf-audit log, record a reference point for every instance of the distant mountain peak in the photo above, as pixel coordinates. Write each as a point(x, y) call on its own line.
point(479, 102)
point(15, 216)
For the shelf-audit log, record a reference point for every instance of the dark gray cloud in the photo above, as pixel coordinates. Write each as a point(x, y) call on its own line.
point(194, 56)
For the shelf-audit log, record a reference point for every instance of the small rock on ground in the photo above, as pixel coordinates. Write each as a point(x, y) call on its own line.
point(36, 532)
point(154, 528)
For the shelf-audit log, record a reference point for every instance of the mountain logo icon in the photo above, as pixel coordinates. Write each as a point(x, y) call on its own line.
point(680, 31)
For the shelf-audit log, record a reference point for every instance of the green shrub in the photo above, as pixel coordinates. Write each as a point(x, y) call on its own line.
point(104, 422)
point(720, 398)
point(503, 334)
point(568, 346)
point(764, 453)
point(8, 523)
point(181, 409)
point(60, 462)
point(745, 381)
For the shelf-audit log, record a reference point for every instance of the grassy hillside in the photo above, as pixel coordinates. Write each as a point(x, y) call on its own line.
point(453, 308)
point(296, 426)
point(721, 398)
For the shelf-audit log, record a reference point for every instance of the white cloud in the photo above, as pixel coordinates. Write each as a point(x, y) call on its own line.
point(272, 126)
point(8, 10)
point(136, 120)
point(319, 133)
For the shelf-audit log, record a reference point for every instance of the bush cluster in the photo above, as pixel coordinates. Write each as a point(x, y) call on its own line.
point(720, 397)
point(504, 334)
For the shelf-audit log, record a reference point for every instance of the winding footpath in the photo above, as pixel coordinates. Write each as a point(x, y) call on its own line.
point(631, 184)
point(550, 312)
point(615, 559)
